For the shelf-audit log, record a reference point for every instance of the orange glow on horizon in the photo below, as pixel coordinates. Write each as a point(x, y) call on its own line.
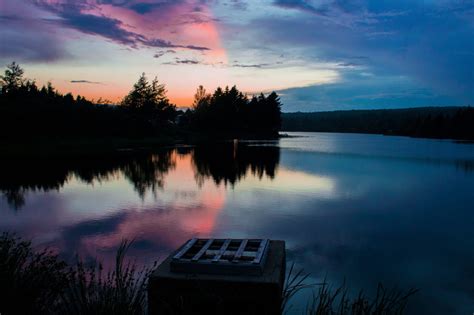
point(182, 102)
point(94, 92)
point(181, 80)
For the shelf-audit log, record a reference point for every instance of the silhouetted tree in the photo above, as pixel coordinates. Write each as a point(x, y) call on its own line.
point(230, 111)
point(13, 79)
point(201, 98)
point(273, 111)
point(26, 110)
point(150, 99)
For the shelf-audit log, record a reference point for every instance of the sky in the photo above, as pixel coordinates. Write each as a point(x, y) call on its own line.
point(318, 55)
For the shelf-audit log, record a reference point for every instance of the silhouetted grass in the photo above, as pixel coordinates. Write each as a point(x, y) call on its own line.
point(40, 283)
point(30, 283)
point(337, 301)
point(119, 291)
point(294, 282)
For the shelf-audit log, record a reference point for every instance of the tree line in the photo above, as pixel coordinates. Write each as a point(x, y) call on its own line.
point(146, 111)
point(27, 110)
point(425, 122)
point(229, 110)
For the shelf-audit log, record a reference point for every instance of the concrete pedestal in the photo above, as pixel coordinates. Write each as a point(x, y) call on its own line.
point(187, 293)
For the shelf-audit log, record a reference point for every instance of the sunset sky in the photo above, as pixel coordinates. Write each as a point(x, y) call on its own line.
point(318, 55)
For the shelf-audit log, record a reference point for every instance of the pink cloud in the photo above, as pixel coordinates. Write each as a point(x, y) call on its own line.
point(140, 24)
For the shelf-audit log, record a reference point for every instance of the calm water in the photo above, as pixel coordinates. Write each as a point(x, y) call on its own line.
point(364, 208)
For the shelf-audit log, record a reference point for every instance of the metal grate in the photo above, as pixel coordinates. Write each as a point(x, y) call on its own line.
point(221, 256)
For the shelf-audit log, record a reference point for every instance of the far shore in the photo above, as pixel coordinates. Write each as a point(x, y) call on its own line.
point(77, 147)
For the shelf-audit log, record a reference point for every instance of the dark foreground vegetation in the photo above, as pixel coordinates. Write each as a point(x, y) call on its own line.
point(426, 122)
point(328, 300)
point(28, 111)
point(41, 283)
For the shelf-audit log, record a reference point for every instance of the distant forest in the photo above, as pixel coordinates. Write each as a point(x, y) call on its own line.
point(425, 122)
point(27, 110)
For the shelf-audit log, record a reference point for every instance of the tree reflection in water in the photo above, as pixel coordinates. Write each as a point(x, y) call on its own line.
point(226, 162)
point(231, 161)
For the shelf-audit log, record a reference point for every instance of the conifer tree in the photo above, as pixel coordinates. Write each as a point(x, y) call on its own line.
point(13, 78)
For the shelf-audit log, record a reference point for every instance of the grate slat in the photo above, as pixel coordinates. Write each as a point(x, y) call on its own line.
point(203, 250)
point(222, 250)
point(185, 248)
point(240, 251)
point(221, 256)
point(260, 251)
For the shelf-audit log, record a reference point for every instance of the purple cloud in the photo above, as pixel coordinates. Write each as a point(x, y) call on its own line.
point(161, 53)
point(24, 36)
point(179, 61)
point(29, 30)
point(84, 81)
point(72, 16)
point(255, 65)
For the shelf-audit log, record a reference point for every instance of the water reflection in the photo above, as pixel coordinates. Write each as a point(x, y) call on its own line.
point(144, 171)
point(225, 163)
point(160, 199)
point(230, 162)
point(363, 208)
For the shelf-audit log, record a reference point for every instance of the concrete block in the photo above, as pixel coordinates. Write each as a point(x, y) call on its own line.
point(202, 293)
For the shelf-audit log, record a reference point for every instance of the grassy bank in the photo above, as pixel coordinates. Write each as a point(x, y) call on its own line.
point(41, 283)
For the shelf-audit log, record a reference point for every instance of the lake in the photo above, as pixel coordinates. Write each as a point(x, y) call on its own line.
point(364, 209)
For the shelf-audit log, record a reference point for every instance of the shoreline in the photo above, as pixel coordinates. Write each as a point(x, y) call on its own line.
point(57, 147)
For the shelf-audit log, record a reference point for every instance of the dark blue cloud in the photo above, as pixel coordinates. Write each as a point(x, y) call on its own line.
point(193, 47)
point(144, 8)
point(250, 65)
point(430, 43)
point(161, 53)
point(179, 61)
point(147, 7)
point(84, 81)
point(365, 91)
point(302, 5)
point(98, 25)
